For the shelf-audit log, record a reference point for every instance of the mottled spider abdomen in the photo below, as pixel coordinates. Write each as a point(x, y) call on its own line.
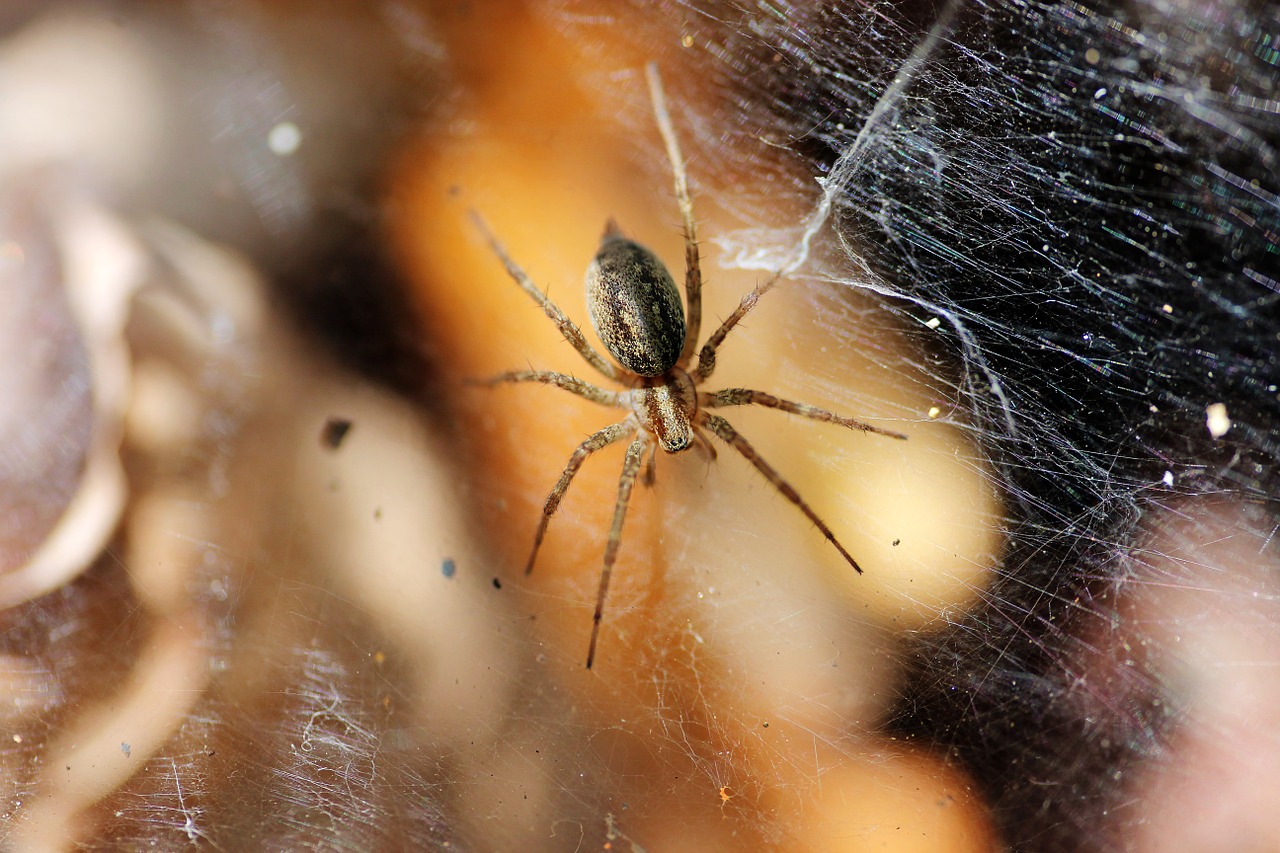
point(635, 306)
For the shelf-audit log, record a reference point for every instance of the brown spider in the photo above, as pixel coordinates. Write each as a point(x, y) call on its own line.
point(636, 311)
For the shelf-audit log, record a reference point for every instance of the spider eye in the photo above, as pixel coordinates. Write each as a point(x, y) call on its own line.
point(674, 434)
point(676, 443)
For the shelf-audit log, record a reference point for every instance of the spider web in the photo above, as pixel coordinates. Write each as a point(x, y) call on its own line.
point(1079, 204)
point(1058, 222)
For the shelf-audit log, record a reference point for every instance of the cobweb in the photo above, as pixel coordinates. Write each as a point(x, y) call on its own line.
point(307, 630)
point(1085, 197)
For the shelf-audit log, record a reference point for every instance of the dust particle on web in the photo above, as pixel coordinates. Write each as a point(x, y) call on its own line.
point(1216, 420)
point(334, 432)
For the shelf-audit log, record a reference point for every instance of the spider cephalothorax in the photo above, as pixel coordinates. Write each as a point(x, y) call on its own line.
point(636, 311)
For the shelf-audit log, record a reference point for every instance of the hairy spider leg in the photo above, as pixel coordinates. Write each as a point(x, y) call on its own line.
point(707, 355)
point(572, 384)
point(597, 440)
point(692, 265)
point(630, 468)
point(571, 332)
point(650, 474)
point(704, 446)
point(747, 397)
point(730, 436)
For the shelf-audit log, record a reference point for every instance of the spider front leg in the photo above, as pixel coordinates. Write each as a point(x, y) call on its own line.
point(747, 397)
point(692, 263)
point(630, 468)
point(730, 436)
point(598, 440)
point(650, 474)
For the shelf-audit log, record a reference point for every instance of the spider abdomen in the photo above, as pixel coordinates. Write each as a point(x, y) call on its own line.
point(635, 306)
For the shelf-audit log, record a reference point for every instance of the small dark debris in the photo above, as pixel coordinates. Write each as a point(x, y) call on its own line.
point(126, 749)
point(448, 568)
point(334, 432)
point(497, 584)
point(897, 542)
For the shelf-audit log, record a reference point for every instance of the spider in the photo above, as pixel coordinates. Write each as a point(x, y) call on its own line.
point(636, 311)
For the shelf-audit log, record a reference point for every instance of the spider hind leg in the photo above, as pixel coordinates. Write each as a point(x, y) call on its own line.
point(568, 329)
point(692, 262)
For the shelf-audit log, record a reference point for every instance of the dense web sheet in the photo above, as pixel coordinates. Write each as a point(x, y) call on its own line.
point(1079, 204)
point(1058, 225)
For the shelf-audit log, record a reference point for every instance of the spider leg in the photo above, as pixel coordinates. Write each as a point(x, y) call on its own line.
point(603, 438)
point(692, 264)
point(730, 436)
point(704, 446)
point(707, 355)
point(650, 473)
point(571, 332)
point(746, 397)
point(630, 467)
point(561, 380)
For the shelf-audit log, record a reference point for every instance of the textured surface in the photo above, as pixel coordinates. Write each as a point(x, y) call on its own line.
point(635, 307)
